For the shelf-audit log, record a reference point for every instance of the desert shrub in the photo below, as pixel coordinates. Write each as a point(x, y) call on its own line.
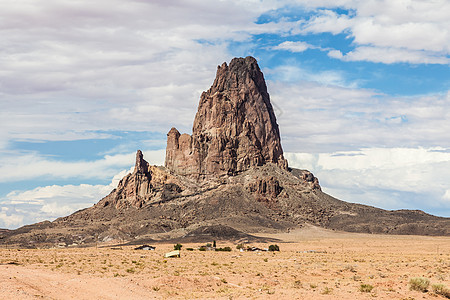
point(365, 288)
point(419, 284)
point(227, 249)
point(274, 248)
point(190, 249)
point(202, 248)
point(240, 246)
point(177, 246)
point(298, 284)
point(441, 289)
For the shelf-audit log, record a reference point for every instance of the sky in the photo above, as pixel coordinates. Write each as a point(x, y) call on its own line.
point(360, 90)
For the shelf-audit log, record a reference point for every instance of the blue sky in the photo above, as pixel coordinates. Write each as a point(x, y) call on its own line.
point(360, 89)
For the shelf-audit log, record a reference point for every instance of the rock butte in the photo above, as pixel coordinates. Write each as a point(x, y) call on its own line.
point(225, 180)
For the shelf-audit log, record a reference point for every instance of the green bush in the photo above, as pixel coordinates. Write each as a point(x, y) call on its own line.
point(419, 284)
point(190, 249)
point(240, 246)
point(202, 248)
point(365, 288)
point(177, 246)
point(441, 289)
point(274, 248)
point(227, 249)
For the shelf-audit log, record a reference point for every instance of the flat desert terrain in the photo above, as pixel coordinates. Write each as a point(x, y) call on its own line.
point(312, 264)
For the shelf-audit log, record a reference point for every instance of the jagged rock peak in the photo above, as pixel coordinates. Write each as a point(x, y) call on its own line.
point(141, 165)
point(145, 184)
point(235, 127)
point(237, 75)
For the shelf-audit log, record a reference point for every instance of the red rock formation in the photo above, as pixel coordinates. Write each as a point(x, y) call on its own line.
point(144, 184)
point(312, 181)
point(266, 190)
point(234, 129)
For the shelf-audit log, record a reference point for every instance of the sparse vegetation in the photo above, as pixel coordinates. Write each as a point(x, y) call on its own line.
point(226, 249)
point(419, 284)
point(178, 246)
point(274, 248)
point(441, 289)
point(292, 273)
point(365, 288)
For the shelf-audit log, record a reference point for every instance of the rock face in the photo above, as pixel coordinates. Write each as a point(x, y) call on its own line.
point(234, 129)
point(138, 188)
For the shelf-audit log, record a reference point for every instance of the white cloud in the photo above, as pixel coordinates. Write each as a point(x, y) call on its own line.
point(71, 67)
point(317, 118)
point(293, 46)
point(390, 55)
point(390, 178)
point(447, 195)
point(328, 21)
point(50, 202)
point(384, 31)
point(10, 220)
point(16, 167)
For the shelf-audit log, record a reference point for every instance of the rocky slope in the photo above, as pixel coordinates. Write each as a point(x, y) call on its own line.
point(230, 172)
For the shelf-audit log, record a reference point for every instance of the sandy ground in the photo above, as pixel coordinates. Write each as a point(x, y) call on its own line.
point(312, 264)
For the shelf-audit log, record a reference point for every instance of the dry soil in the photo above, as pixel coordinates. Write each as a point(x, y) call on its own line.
point(312, 264)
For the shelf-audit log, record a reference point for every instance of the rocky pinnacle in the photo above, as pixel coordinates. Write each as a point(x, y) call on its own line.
point(235, 127)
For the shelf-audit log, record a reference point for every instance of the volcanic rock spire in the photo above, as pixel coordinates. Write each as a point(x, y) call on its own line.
point(234, 129)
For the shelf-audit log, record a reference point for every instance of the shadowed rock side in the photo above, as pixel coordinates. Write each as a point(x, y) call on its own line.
point(234, 129)
point(230, 173)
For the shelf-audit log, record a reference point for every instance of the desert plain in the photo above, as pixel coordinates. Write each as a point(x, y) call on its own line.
point(312, 263)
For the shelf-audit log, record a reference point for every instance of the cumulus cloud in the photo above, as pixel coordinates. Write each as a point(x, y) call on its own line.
point(10, 219)
point(385, 31)
point(391, 178)
point(66, 64)
point(318, 118)
point(50, 202)
point(20, 207)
